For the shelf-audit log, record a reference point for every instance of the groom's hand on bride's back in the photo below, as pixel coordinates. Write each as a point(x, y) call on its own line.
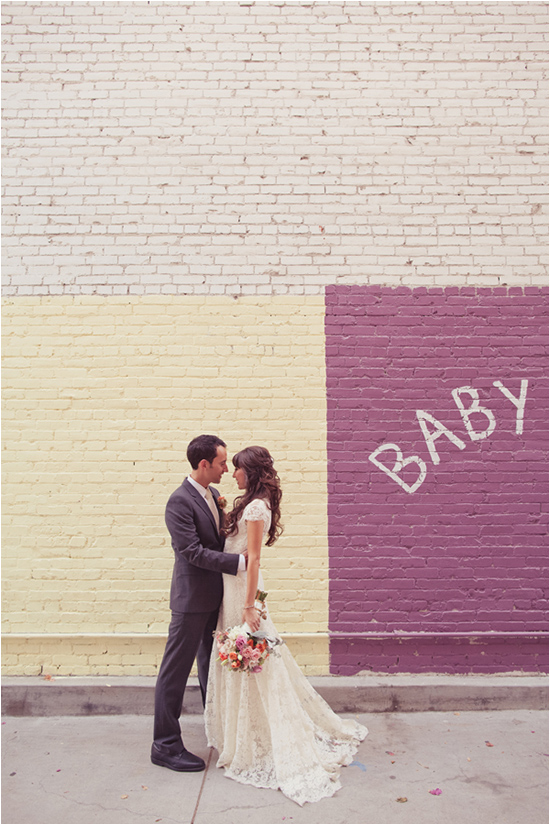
point(245, 554)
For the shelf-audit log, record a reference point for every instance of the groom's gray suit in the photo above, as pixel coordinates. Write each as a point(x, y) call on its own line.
point(195, 598)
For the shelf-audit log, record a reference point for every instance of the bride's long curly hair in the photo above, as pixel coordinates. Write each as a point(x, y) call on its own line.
point(262, 481)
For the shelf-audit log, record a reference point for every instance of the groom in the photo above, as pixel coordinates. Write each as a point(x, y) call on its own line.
point(194, 519)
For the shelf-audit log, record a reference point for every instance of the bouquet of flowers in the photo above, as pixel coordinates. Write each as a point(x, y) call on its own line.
point(241, 650)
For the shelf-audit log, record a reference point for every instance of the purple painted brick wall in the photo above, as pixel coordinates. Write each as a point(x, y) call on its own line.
point(445, 532)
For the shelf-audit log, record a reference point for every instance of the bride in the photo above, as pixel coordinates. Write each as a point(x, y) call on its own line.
point(271, 729)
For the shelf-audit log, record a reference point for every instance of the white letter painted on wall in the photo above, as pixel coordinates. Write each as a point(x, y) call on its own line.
point(399, 465)
point(473, 408)
point(440, 430)
point(519, 403)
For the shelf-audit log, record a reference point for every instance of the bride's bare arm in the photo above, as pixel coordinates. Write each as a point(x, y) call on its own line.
point(254, 534)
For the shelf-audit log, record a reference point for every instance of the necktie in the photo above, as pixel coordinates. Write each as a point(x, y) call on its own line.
point(212, 504)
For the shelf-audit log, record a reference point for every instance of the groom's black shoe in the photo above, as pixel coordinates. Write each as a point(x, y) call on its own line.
point(184, 761)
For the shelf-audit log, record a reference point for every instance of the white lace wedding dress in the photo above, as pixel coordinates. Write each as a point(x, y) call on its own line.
point(272, 729)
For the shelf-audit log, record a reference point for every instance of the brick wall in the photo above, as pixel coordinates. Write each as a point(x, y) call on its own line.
point(101, 397)
point(259, 148)
point(182, 184)
point(438, 483)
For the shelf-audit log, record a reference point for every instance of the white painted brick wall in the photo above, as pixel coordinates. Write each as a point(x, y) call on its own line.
point(258, 148)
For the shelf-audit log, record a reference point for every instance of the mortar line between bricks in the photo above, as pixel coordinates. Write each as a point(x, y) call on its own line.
point(202, 786)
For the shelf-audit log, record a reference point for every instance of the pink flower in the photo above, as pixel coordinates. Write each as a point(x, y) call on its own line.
point(436, 792)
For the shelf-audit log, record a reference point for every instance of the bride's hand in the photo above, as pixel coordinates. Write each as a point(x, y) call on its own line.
point(252, 618)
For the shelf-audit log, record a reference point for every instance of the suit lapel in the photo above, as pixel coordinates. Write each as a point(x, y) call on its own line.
point(201, 501)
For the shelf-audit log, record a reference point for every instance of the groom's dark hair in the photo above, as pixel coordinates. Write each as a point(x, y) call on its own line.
point(203, 446)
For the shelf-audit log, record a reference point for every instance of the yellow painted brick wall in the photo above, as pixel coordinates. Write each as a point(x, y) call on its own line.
point(101, 397)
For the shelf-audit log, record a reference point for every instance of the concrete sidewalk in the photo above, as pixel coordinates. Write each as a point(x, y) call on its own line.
point(363, 693)
point(491, 767)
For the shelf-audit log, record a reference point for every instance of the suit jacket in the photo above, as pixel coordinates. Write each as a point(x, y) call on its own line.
point(197, 585)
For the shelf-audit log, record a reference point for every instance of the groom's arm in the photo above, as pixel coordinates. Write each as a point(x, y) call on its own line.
point(186, 541)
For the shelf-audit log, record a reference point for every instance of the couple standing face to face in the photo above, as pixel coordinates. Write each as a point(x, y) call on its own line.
point(211, 472)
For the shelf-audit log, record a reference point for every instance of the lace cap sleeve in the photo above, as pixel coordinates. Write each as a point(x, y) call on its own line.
point(256, 510)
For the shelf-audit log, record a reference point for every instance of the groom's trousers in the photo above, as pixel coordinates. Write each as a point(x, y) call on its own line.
point(189, 637)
